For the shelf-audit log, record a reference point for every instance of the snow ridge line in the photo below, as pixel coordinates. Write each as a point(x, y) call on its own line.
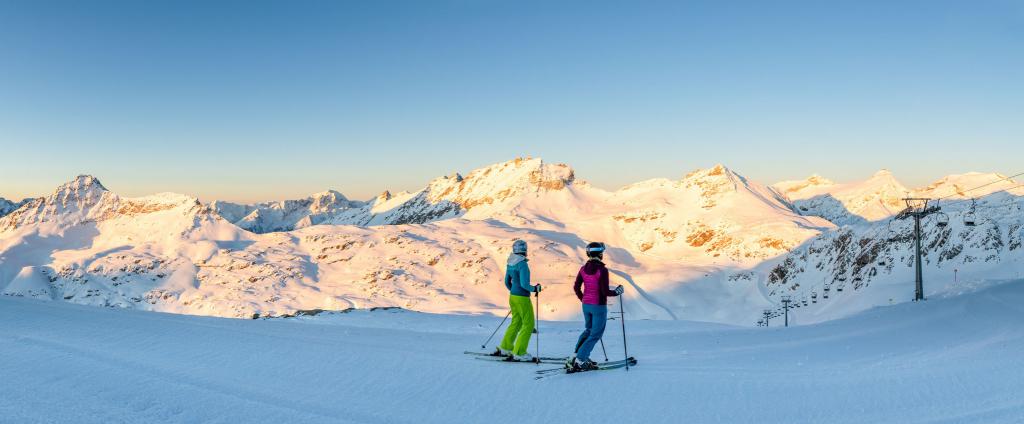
point(644, 294)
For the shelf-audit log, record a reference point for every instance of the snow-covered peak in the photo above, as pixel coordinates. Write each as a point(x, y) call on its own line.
point(499, 182)
point(885, 178)
point(482, 193)
point(85, 199)
point(328, 200)
point(384, 196)
point(72, 200)
point(714, 181)
point(718, 171)
point(82, 188)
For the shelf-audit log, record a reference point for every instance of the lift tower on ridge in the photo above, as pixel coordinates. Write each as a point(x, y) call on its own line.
point(917, 208)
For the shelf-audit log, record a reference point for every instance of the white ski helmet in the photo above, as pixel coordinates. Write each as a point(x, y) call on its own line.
point(519, 246)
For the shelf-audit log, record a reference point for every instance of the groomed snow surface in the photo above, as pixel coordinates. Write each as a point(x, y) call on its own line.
point(958, 359)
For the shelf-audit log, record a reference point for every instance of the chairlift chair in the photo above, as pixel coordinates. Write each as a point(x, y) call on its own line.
point(970, 218)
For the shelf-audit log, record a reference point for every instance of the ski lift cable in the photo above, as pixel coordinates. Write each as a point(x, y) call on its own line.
point(984, 185)
point(975, 200)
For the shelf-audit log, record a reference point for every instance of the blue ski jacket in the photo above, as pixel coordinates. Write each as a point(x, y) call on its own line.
point(517, 276)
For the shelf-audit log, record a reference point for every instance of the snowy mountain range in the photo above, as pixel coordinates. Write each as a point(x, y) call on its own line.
point(710, 246)
point(481, 193)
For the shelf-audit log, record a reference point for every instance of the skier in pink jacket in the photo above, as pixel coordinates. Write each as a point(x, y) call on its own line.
point(592, 289)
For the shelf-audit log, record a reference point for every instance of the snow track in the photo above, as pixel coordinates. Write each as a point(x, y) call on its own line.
point(953, 360)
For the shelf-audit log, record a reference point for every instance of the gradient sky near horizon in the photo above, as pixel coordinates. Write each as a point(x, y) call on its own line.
point(255, 100)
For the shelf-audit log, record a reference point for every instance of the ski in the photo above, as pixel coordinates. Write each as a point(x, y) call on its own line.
point(507, 359)
point(603, 366)
point(620, 362)
point(549, 359)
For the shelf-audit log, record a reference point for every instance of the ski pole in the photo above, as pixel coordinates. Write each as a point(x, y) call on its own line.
point(536, 326)
point(484, 346)
point(605, 351)
point(622, 313)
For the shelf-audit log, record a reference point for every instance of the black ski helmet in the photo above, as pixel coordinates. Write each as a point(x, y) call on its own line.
point(595, 250)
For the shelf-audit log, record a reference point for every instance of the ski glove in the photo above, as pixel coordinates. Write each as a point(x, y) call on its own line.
point(619, 290)
point(536, 289)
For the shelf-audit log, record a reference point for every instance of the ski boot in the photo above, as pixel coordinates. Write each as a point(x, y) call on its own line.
point(526, 357)
point(578, 366)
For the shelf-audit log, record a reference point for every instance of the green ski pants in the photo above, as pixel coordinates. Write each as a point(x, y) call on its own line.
point(517, 336)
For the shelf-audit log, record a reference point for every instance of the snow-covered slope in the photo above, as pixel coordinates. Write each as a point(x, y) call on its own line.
point(873, 265)
point(948, 360)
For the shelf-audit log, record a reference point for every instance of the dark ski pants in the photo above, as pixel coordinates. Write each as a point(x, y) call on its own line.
point(595, 318)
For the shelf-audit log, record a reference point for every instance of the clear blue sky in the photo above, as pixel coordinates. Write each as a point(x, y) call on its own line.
point(250, 100)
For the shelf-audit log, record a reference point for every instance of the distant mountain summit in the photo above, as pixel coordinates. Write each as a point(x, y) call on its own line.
point(876, 198)
point(482, 193)
point(956, 186)
point(286, 215)
point(85, 199)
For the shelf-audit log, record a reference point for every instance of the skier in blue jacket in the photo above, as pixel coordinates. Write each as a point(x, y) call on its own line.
point(517, 281)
